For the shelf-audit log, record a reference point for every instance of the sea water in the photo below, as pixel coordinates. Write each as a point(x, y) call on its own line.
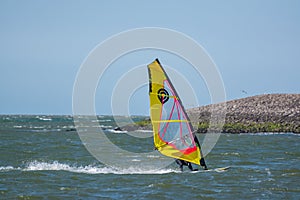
point(44, 157)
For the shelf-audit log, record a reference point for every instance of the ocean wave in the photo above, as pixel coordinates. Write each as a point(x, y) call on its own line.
point(88, 169)
point(105, 127)
point(101, 120)
point(116, 131)
point(144, 131)
point(153, 156)
point(17, 126)
point(7, 168)
point(231, 153)
point(44, 118)
point(136, 160)
point(104, 120)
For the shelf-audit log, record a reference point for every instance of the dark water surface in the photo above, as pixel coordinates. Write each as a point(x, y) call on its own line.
point(43, 157)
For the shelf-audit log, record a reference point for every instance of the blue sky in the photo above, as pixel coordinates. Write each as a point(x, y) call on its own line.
point(255, 44)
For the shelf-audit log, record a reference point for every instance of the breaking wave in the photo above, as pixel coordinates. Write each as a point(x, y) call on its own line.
point(88, 169)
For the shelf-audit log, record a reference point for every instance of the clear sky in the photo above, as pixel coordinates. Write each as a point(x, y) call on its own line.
point(254, 43)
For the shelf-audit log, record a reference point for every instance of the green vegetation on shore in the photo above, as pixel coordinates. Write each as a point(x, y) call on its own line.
point(237, 127)
point(144, 123)
point(252, 128)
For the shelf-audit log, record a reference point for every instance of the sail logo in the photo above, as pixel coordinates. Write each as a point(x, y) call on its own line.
point(163, 95)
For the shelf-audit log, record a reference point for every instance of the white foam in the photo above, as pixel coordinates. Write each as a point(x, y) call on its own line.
point(88, 169)
point(44, 118)
point(106, 127)
point(104, 120)
point(153, 156)
point(115, 131)
point(136, 160)
point(7, 168)
point(230, 153)
point(144, 131)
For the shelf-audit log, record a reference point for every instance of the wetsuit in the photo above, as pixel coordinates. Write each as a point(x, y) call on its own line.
point(182, 163)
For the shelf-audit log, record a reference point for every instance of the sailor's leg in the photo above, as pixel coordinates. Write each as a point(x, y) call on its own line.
point(190, 166)
point(180, 164)
point(181, 168)
point(202, 163)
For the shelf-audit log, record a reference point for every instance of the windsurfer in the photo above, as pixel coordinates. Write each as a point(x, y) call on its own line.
point(182, 163)
point(172, 130)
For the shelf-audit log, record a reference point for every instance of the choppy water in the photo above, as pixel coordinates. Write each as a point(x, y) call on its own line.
point(43, 157)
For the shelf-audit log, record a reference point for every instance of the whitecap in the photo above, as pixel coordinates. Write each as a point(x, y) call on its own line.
point(136, 160)
point(152, 156)
point(144, 131)
point(43, 118)
point(6, 168)
point(116, 131)
point(90, 169)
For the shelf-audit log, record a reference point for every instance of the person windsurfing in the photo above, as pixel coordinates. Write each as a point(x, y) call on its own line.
point(173, 134)
point(182, 163)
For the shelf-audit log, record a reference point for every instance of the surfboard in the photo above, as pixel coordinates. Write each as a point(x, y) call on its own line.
point(220, 169)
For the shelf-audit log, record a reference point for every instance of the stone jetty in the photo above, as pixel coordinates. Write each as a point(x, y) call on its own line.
point(261, 113)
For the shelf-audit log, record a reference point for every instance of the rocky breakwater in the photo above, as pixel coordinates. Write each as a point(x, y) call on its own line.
point(261, 113)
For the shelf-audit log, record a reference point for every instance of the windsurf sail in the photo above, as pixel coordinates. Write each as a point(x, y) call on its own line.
point(173, 133)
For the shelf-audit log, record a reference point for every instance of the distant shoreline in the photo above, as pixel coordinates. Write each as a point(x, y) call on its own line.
point(268, 113)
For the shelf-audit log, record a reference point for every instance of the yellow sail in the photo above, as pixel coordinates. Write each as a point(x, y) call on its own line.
point(173, 133)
